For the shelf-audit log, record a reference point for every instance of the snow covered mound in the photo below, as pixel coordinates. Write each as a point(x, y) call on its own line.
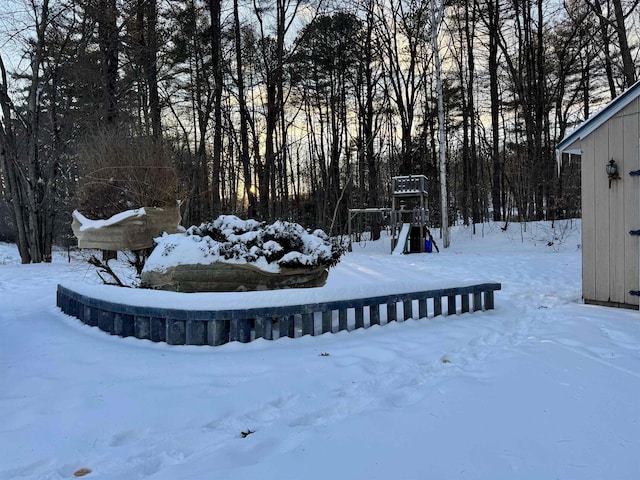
point(228, 239)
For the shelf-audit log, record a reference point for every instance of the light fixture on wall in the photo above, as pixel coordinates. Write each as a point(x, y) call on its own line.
point(612, 171)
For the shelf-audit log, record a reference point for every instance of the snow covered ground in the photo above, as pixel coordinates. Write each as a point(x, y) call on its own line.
point(542, 387)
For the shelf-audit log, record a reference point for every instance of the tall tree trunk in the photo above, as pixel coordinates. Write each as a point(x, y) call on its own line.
point(274, 92)
point(28, 186)
point(216, 60)
point(151, 67)
point(267, 168)
point(368, 122)
point(494, 35)
point(470, 21)
point(437, 12)
point(109, 46)
point(606, 41)
point(628, 66)
point(9, 157)
point(36, 183)
point(465, 108)
point(244, 118)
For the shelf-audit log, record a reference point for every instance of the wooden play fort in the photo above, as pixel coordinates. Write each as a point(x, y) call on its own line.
point(409, 215)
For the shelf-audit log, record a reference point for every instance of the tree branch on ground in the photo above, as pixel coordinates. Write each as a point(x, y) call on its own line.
point(104, 268)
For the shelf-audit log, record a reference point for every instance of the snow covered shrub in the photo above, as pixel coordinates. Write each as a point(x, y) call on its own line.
point(229, 239)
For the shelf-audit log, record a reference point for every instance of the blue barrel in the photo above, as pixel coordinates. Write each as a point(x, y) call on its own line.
point(428, 247)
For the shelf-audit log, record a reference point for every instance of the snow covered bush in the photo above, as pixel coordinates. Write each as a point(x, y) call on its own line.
point(228, 239)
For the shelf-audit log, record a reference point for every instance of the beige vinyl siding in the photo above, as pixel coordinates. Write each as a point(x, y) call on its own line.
point(611, 256)
point(616, 213)
point(602, 209)
point(588, 219)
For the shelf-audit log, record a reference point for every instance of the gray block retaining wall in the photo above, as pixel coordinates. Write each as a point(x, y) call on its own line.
point(216, 327)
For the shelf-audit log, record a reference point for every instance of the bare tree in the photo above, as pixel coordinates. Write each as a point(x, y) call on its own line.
point(402, 31)
point(244, 116)
point(29, 171)
point(218, 78)
point(368, 114)
point(144, 40)
point(492, 21)
point(12, 171)
point(617, 22)
point(437, 14)
point(106, 15)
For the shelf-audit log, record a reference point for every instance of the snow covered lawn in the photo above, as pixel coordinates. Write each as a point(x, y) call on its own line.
point(542, 387)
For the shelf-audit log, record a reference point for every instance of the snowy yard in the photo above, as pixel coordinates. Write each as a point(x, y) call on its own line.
point(542, 387)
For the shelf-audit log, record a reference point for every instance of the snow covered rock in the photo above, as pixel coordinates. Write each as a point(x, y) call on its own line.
point(129, 230)
point(230, 254)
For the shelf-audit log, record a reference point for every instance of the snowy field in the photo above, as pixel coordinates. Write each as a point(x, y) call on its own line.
point(542, 387)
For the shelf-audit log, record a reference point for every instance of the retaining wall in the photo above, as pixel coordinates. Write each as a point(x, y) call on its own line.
point(216, 327)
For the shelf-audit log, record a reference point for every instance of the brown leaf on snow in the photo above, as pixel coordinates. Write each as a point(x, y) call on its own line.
point(82, 472)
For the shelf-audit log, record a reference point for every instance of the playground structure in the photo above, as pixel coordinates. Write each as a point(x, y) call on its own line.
point(409, 214)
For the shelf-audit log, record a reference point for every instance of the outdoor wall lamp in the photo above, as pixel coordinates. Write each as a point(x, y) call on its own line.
point(612, 171)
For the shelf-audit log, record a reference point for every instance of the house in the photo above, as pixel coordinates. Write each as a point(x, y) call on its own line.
point(609, 146)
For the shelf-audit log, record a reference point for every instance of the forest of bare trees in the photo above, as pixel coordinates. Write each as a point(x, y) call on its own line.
point(298, 109)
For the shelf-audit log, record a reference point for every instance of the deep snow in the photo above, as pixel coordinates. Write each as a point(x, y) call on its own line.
point(88, 224)
point(542, 387)
point(267, 247)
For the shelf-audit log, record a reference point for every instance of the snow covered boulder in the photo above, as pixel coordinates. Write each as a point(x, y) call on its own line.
point(129, 230)
point(230, 254)
point(229, 277)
